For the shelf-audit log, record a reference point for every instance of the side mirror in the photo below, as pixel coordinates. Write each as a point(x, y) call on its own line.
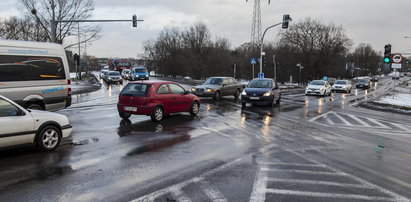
point(186, 92)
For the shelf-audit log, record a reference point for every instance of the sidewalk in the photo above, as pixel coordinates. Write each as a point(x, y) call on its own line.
point(398, 101)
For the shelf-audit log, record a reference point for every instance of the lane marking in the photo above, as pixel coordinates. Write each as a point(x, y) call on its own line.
point(212, 193)
point(328, 195)
point(359, 120)
point(180, 195)
point(304, 172)
point(292, 164)
point(152, 196)
point(315, 182)
point(259, 187)
point(342, 119)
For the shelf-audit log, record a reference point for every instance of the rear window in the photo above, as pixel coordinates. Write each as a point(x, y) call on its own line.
point(28, 68)
point(135, 89)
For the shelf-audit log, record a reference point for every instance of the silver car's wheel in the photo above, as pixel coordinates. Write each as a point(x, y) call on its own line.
point(49, 138)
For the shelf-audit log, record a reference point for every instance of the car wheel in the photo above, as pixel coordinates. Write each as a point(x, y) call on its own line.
point(34, 106)
point(124, 115)
point(217, 95)
point(237, 94)
point(195, 108)
point(157, 114)
point(49, 138)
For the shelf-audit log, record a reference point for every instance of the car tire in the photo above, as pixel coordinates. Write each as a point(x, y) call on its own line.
point(49, 138)
point(34, 106)
point(157, 114)
point(194, 108)
point(217, 95)
point(237, 94)
point(124, 115)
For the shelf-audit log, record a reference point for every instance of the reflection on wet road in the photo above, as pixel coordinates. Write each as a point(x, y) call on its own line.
point(225, 153)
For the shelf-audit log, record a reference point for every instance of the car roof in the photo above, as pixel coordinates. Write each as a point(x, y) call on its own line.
point(270, 79)
point(152, 82)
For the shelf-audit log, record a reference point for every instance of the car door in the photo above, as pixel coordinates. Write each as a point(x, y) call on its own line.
point(182, 101)
point(226, 89)
point(16, 126)
point(165, 98)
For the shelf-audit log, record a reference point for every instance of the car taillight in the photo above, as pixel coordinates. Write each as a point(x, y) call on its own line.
point(69, 88)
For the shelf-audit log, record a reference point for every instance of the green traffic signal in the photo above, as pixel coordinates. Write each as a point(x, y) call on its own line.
point(386, 60)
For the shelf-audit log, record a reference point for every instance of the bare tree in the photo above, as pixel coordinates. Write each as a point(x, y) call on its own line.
point(321, 48)
point(21, 29)
point(365, 58)
point(44, 11)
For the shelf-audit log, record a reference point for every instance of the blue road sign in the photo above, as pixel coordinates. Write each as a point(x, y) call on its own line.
point(325, 78)
point(261, 75)
point(253, 61)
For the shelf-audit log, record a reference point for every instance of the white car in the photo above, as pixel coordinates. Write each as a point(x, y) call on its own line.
point(342, 85)
point(19, 126)
point(318, 87)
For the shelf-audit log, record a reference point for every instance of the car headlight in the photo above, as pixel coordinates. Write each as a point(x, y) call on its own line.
point(193, 89)
point(243, 93)
point(210, 90)
point(321, 89)
point(267, 93)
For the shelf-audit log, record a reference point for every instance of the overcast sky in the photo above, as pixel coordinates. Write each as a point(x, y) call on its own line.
point(377, 22)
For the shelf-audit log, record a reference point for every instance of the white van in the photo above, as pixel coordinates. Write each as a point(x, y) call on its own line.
point(35, 74)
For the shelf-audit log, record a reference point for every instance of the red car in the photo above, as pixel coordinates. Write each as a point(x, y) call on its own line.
point(156, 99)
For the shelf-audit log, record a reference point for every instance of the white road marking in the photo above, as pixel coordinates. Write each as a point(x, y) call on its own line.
point(179, 195)
point(292, 164)
point(359, 120)
point(212, 193)
point(259, 187)
point(342, 119)
point(152, 196)
point(328, 195)
point(315, 182)
point(304, 172)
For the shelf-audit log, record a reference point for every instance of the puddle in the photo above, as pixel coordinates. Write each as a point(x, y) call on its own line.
point(158, 144)
point(85, 141)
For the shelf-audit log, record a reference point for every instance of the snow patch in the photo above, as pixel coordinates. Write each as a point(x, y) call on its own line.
point(399, 99)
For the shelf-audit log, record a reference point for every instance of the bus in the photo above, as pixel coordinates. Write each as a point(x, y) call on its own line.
point(35, 74)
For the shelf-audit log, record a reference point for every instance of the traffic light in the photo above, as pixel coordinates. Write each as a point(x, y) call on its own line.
point(76, 59)
point(387, 53)
point(134, 21)
point(263, 62)
point(286, 19)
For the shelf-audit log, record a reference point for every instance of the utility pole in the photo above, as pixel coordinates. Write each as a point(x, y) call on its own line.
point(275, 69)
point(53, 22)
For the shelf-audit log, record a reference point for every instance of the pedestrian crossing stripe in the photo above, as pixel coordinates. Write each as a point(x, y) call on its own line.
point(344, 119)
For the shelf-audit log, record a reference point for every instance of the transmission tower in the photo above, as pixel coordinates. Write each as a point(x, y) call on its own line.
point(256, 25)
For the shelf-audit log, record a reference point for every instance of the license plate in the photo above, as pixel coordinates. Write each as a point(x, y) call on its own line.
point(254, 98)
point(133, 109)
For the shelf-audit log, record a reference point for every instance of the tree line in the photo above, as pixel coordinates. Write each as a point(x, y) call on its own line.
point(322, 50)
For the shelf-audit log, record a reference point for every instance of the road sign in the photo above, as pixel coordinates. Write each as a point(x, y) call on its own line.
point(397, 58)
point(261, 75)
point(396, 65)
point(253, 61)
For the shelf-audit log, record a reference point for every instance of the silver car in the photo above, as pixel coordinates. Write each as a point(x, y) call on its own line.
point(218, 86)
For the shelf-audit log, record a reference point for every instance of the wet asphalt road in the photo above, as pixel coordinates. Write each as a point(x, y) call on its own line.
point(307, 149)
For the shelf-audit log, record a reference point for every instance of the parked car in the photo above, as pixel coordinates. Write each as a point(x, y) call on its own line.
point(156, 99)
point(342, 85)
point(113, 77)
point(261, 91)
point(363, 83)
point(19, 126)
point(126, 74)
point(139, 73)
point(318, 87)
point(218, 86)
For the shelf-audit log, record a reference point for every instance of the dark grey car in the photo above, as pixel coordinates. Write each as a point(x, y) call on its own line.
point(218, 86)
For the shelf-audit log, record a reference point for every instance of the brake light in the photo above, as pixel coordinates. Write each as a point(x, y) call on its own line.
point(69, 88)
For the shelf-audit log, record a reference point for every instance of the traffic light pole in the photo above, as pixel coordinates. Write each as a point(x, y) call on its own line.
point(262, 40)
